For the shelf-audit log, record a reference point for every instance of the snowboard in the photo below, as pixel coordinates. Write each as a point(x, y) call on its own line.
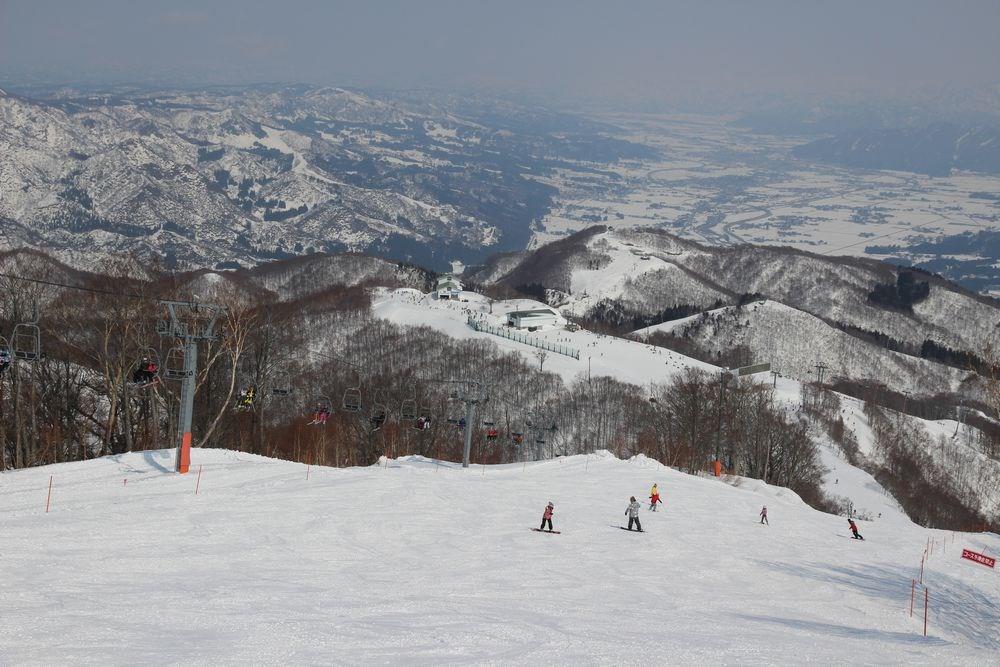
point(554, 532)
point(851, 537)
point(631, 531)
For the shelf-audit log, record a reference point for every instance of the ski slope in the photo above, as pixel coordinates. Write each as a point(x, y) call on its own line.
point(425, 563)
point(600, 355)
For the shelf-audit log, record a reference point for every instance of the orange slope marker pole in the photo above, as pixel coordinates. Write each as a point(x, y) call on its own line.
point(48, 498)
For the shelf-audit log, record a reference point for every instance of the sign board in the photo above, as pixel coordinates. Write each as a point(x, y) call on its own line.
point(979, 558)
point(750, 370)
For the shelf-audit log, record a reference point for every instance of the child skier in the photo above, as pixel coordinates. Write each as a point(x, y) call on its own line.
point(763, 516)
point(547, 517)
point(654, 497)
point(633, 514)
point(854, 529)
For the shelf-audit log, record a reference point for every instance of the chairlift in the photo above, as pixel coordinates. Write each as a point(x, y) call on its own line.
point(379, 411)
point(281, 386)
point(491, 430)
point(173, 365)
point(322, 412)
point(423, 420)
point(248, 397)
point(26, 342)
point(408, 408)
point(352, 397)
point(147, 369)
point(5, 356)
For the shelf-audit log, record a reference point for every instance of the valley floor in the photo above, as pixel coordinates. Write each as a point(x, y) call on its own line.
point(418, 561)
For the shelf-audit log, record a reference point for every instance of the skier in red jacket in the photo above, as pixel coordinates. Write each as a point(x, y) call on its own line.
point(547, 517)
point(854, 529)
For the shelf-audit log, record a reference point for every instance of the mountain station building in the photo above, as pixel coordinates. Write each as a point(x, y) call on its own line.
point(532, 319)
point(448, 287)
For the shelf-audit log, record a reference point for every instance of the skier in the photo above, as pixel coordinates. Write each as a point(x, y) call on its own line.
point(854, 529)
point(654, 497)
point(145, 372)
point(320, 414)
point(547, 517)
point(4, 359)
point(763, 516)
point(633, 514)
point(246, 398)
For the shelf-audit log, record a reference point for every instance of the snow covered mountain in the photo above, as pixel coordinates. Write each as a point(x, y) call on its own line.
point(236, 176)
point(935, 149)
point(420, 561)
point(755, 326)
point(883, 319)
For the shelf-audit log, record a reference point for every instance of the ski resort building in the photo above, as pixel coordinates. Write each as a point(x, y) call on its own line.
point(532, 319)
point(448, 287)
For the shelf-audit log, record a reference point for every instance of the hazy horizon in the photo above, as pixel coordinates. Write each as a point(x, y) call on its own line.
point(642, 52)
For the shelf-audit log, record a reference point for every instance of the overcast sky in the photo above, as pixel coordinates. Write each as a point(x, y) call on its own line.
point(612, 49)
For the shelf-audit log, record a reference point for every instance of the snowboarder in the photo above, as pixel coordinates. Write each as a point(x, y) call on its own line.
point(654, 497)
point(633, 514)
point(547, 516)
point(763, 516)
point(854, 529)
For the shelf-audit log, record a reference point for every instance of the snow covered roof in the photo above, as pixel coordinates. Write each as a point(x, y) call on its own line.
point(530, 313)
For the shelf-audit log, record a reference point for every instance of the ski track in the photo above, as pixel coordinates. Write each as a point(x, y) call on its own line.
point(425, 563)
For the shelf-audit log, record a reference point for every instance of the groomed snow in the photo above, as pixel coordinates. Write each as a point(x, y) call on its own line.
point(424, 563)
point(626, 360)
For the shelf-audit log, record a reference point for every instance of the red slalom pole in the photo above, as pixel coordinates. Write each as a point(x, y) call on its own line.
point(913, 589)
point(927, 595)
point(197, 484)
point(48, 498)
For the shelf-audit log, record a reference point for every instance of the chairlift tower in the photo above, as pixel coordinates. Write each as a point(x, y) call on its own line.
point(471, 394)
point(200, 325)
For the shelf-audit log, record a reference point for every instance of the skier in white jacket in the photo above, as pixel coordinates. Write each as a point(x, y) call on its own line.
point(633, 514)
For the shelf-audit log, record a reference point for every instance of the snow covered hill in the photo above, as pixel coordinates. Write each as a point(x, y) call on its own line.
point(598, 355)
point(418, 561)
point(755, 325)
point(624, 274)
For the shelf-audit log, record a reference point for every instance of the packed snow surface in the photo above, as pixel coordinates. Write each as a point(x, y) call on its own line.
point(599, 355)
point(421, 562)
